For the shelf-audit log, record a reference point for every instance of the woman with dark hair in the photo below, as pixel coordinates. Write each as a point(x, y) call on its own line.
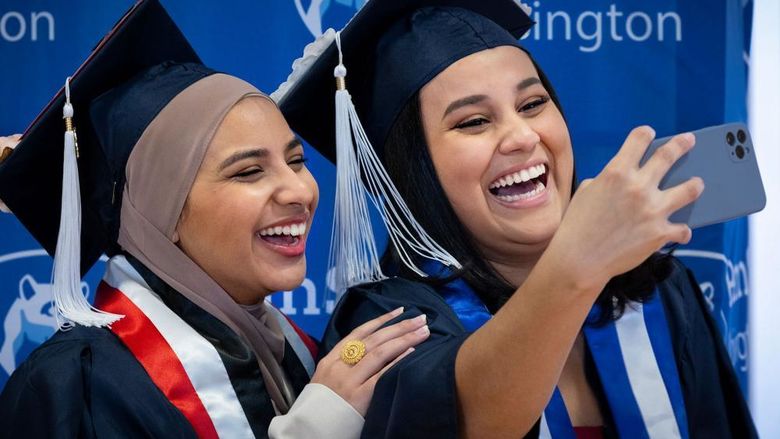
point(193, 183)
point(560, 319)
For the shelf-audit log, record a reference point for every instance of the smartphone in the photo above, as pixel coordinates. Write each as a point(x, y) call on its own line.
point(724, 157)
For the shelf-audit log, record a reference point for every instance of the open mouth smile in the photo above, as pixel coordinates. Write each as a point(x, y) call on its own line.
point(283, 235)
point(524, 184)
point(288, 239)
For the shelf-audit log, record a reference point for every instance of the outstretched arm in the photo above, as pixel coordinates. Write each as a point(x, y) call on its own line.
point(507, 370)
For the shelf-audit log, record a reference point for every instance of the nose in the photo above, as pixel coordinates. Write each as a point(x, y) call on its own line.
point(519, 136)
point(296, 188)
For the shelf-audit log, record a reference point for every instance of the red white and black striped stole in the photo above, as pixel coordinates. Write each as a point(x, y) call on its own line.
point(200, 365)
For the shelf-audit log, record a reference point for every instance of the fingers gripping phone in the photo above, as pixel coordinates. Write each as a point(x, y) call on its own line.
point(724, 157)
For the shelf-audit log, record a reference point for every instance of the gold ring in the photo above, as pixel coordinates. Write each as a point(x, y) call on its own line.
point(353, 352)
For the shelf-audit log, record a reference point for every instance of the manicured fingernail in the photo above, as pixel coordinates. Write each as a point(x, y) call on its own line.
point(689, 138)
point(397, 311)
point(422, 318)
point(423, 331)
point(409, 351)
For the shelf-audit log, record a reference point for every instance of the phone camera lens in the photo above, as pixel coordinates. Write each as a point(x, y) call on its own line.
point(730, 138)
point(741, 136)
point(740, 151)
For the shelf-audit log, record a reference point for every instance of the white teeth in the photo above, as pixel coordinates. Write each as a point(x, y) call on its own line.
point(510, 198)
point(524, 176)
point(519, 176)
point(292, 230)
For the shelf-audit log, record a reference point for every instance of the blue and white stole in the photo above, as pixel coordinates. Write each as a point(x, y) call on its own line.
point(643, 390)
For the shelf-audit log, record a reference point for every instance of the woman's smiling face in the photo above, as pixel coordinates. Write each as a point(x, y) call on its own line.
point(248, 213)
point(501, 150)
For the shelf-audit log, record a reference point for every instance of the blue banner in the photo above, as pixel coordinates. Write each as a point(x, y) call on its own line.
point(671, 64)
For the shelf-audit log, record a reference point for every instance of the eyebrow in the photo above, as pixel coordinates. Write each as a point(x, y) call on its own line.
point(475, 99)
point(525, 83)
point(256, 153)
point(463, 102)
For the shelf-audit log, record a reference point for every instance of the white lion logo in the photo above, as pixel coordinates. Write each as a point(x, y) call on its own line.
point(312, 16)
point(31, 317)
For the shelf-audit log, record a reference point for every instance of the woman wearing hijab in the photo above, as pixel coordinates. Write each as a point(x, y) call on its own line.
point(551, 313)
point(193, 183)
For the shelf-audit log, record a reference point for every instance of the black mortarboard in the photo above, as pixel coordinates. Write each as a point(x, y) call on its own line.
point(386, 53)
point(135, 70)
point(391, 49)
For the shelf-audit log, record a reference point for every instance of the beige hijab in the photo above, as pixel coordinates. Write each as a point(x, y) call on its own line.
point(160, 173)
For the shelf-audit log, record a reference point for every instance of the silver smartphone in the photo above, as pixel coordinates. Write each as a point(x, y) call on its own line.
point(725, 158)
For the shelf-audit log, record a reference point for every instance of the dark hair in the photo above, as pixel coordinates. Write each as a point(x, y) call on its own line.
point(409, 164)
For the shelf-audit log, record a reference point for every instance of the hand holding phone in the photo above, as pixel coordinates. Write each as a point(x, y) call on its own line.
point(725, 159)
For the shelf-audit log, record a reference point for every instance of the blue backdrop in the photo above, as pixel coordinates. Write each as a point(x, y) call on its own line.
point(616, 64)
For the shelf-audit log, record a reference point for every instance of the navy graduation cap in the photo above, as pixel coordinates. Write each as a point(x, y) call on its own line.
point(383, 56)
point(391, 49)
point(31, 177)
point(133, 72)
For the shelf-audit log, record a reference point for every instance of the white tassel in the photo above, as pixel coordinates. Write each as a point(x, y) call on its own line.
point(353, 252)
point(72, 306)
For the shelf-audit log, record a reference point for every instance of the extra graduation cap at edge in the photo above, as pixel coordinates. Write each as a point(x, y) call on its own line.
point(68, 194)
point(381, 58)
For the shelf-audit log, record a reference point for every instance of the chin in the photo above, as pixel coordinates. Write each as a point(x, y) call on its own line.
point(286, 279)
point(536, 237)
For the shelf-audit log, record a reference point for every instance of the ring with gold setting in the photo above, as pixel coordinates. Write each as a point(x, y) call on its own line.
point(353, 352)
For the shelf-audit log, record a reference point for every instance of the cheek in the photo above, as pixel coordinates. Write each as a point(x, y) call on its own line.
point(462, 184)
point(222, 215)
point(566, 171)
point(558, 142)
point(460, 181)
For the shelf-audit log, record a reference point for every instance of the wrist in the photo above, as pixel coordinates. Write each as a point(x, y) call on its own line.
point(565, 271)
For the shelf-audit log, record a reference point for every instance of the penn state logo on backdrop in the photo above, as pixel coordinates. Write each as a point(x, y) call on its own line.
point(26, 306)
point(322, 14)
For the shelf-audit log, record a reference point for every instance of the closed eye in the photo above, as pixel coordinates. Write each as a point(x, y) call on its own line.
point(249, 172)
point(536, 104)
point(478, 121)
point(297, 163)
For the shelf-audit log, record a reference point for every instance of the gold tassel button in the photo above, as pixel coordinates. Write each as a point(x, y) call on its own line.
point(69, 127)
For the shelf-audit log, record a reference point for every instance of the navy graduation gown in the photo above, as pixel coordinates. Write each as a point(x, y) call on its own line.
point(417, 397)
point(84, 383)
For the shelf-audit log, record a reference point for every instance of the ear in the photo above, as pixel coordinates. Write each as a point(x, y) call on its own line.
point(27, 287)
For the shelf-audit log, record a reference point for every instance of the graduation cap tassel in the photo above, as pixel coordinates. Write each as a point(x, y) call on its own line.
point(72, 306)
point(353, 253)
point(353, 249)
